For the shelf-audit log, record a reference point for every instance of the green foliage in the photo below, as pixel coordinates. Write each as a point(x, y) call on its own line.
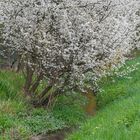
point(10, 85)
point(5, 123)
point(43, 124)
point(69, 109)
point(119, 115)
point(19, 120)
point(118, 120)
point(6, 91)
point(119, 87)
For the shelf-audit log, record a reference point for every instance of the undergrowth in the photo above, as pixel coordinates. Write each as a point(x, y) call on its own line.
point(118, 115)
point(20, 120)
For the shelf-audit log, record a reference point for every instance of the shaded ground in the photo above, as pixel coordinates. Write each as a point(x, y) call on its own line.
point(59, 135)
point(90, 110)
point(19, 120)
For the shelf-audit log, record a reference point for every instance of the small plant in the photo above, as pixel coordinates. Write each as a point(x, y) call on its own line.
point(5, 123)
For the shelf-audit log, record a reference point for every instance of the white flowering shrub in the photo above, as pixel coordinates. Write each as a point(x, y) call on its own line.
point(136, 36)
point(69, 44)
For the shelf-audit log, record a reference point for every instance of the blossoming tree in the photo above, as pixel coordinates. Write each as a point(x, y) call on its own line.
point(63, 44)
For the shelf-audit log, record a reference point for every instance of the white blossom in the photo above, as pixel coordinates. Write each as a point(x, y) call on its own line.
point(63, 38)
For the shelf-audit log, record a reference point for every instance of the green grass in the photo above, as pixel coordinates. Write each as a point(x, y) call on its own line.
point(19, 120)
point(117, 118)
point(118, 115)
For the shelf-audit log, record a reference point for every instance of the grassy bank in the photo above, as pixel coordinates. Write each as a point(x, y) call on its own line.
point(19, 120)
point(118, 117)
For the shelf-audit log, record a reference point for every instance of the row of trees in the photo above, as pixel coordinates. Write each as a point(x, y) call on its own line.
point(67, 45)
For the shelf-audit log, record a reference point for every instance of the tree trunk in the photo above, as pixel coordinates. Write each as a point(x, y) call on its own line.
point(28, 81)
point(36, 84)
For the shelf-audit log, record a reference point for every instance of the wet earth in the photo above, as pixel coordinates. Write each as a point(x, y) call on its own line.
point(60, 135)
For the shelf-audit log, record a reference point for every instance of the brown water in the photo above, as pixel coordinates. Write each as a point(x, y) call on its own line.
point(90, 106)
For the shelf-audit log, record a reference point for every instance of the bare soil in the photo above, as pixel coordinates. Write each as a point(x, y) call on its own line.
point(59, 135)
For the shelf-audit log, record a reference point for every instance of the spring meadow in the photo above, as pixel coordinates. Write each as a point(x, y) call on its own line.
point(69, 69)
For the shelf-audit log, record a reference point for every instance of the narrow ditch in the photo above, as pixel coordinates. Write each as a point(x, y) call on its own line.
point(89, 108)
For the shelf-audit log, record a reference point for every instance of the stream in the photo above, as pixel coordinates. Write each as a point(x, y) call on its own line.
point(89, 108)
